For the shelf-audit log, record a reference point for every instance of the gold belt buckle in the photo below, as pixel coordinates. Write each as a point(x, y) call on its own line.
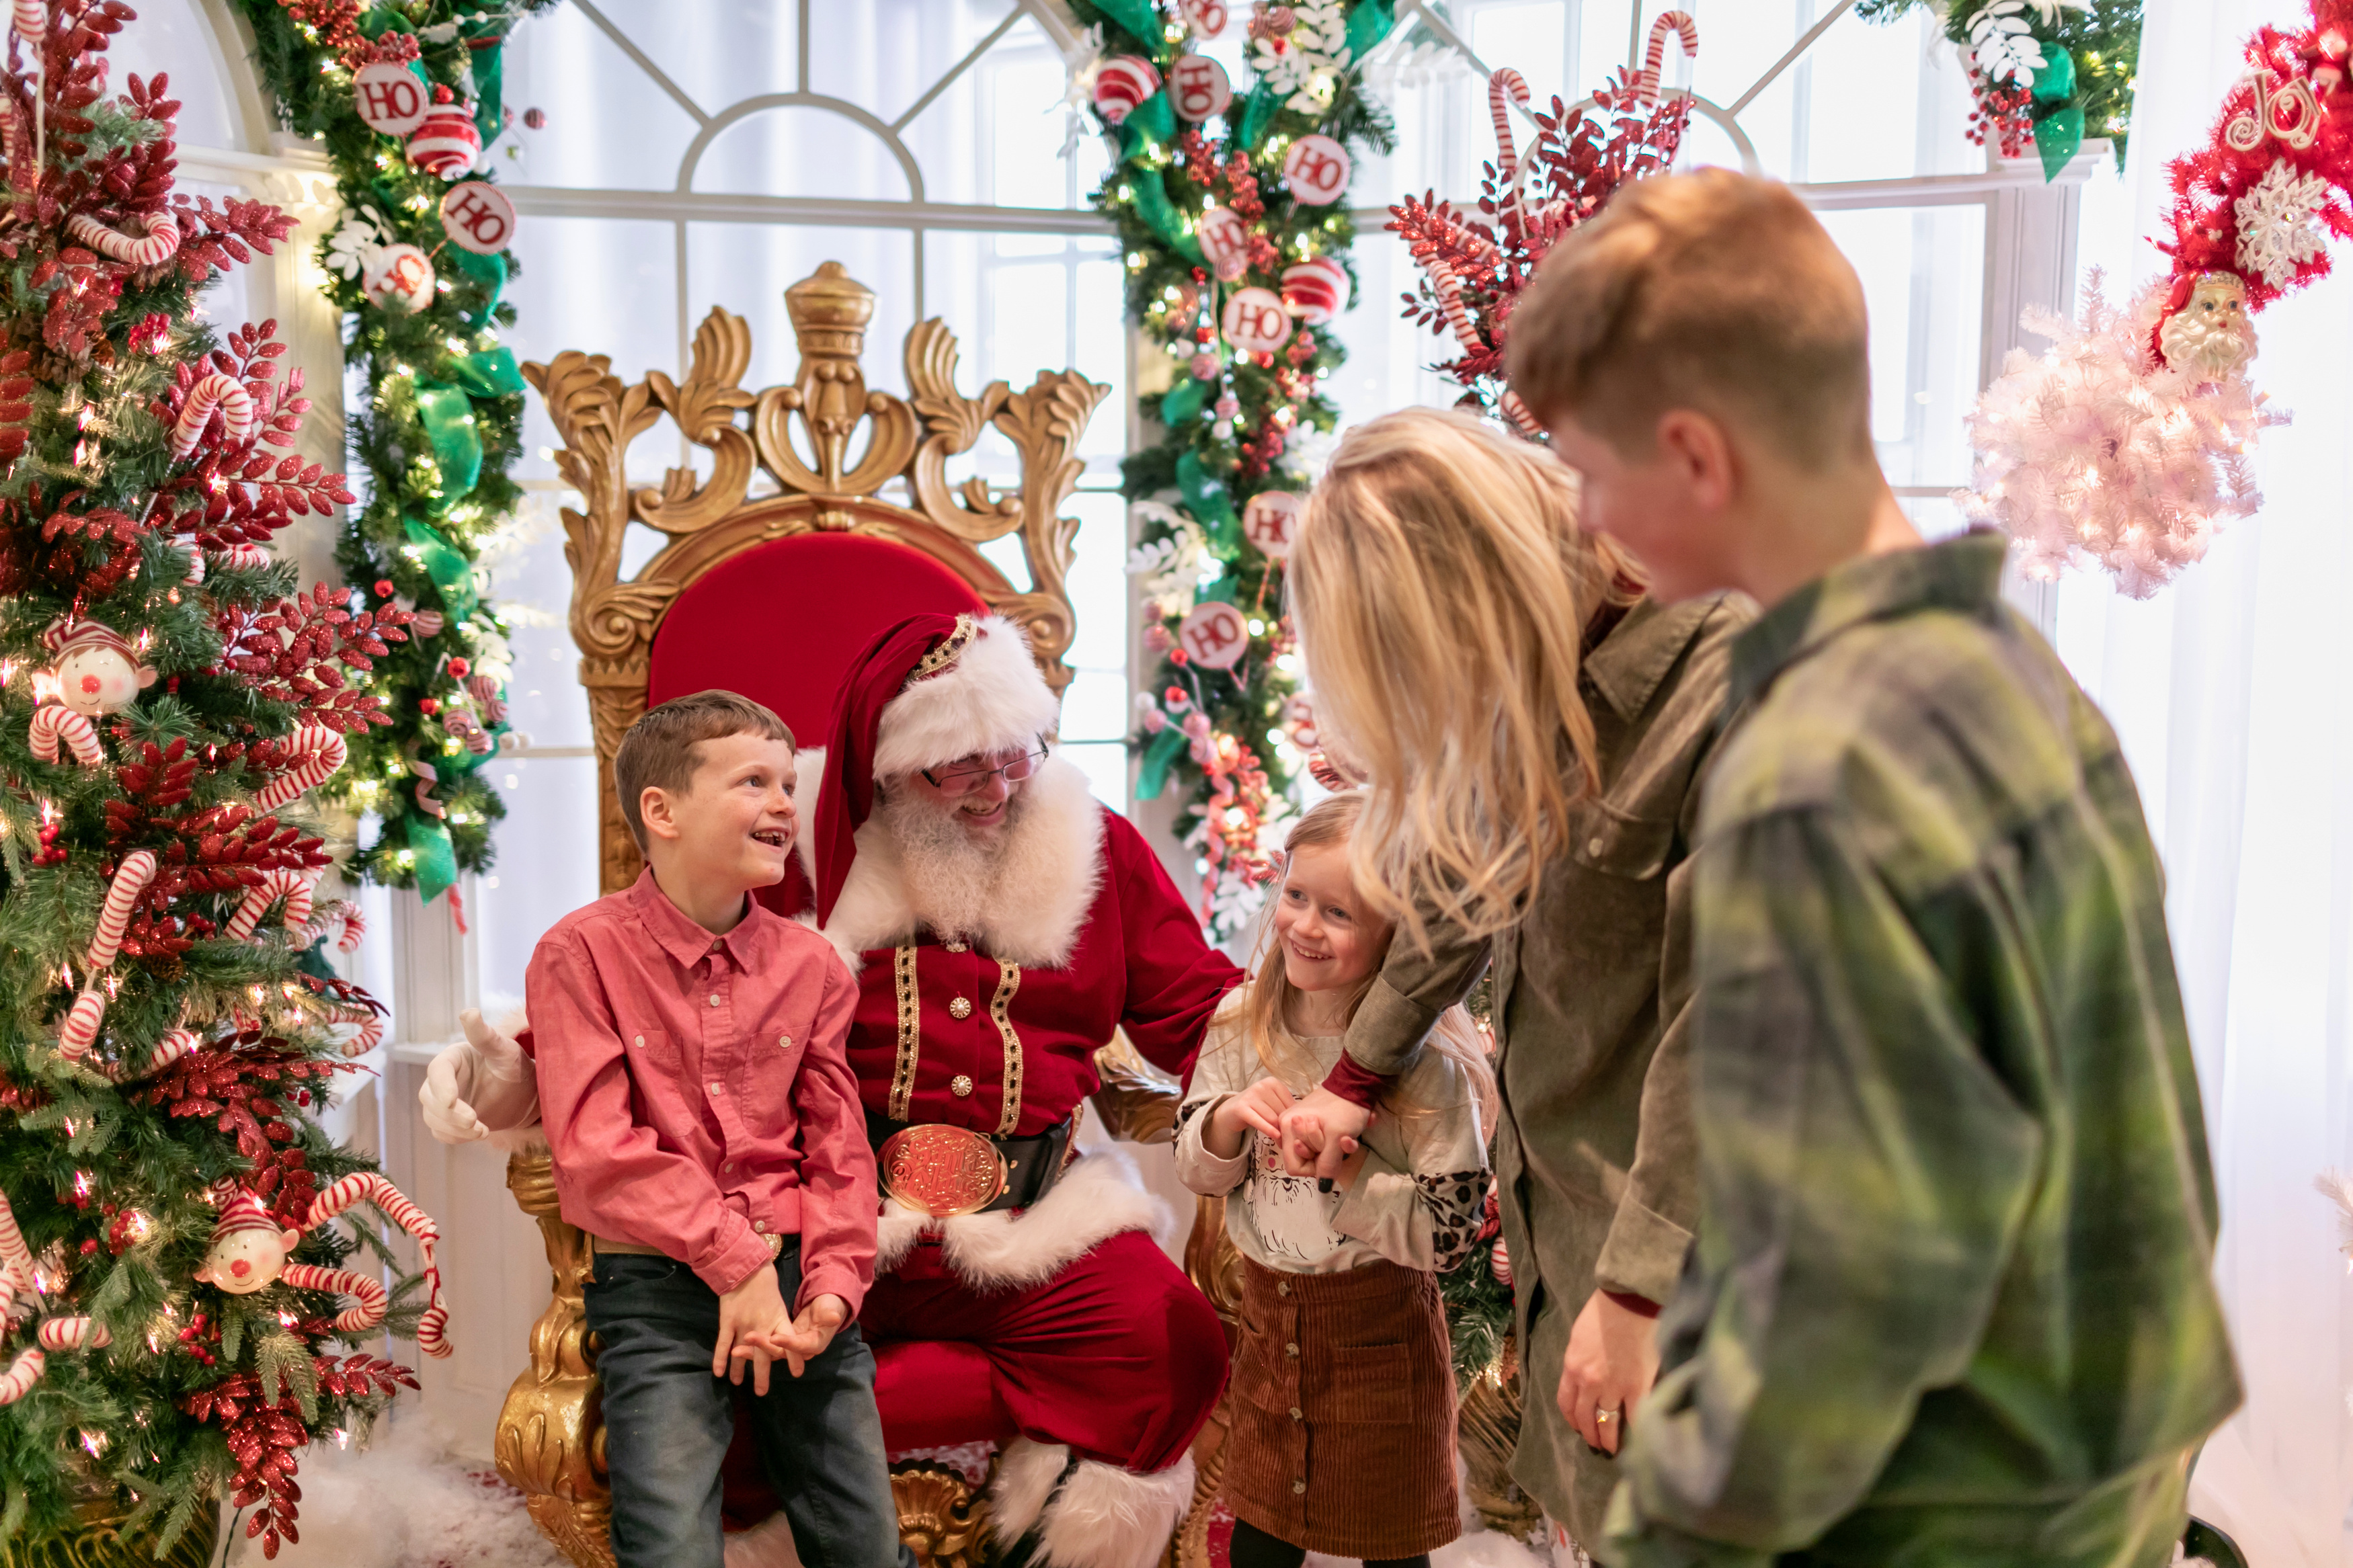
point(942, 1171)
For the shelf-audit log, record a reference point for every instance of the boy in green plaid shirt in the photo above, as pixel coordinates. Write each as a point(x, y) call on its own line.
point(1949, 1302)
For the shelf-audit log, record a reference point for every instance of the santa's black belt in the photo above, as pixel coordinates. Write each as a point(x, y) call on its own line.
point(944, 1171)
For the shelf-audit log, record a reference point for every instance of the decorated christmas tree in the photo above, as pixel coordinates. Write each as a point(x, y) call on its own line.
point(180, 1314)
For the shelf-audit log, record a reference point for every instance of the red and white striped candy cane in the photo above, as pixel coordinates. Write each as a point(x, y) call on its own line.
point(242, 557)
point(213, 390)
point(355, 927)
point(1505, 88)
point(53, 723)
point(1654, 58)
point(159, 245)
point(78, 1035)
point(432, 1329)
point(291, 886)
point(368, 1293)
point(15, 1258)
point(22, 1374)
point(320, 751)
point(168, 1050)
point(31, 20)
point(130, 879)
point(1458, 315)
point(370, 1033)
point(72, 1335)
point(1518, 413)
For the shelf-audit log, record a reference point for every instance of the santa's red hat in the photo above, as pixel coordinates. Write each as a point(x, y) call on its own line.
point(930, 691)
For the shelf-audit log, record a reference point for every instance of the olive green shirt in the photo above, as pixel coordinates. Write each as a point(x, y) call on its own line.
point(1950, 1302)
point(1594, 1159)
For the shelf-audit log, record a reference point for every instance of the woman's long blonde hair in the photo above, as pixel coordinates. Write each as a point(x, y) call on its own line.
point(1442, 591)
point(1267, 1008)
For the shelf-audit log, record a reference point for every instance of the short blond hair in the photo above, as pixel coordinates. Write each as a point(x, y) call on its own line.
point(657, 752)
point(1442, 590)
point(1710, 290)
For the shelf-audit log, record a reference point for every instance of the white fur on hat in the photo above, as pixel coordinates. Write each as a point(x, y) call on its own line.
point(992, 699)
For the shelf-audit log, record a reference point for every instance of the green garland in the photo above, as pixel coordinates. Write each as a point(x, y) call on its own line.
point(442, 425)
point(2090, 50)
point(1231, 738)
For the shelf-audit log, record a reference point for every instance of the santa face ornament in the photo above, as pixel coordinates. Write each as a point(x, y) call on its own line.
point(97, 671)
point(2210, 338)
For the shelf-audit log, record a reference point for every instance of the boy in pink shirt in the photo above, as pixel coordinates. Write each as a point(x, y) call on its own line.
point(708, 1137)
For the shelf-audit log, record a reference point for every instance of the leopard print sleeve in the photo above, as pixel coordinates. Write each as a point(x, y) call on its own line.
point(1456, 1204)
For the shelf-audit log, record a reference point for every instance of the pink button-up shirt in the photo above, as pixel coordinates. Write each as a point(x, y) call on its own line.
point(696, 1092)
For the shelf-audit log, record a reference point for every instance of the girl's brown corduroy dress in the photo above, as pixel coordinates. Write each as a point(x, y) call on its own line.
point(1343, 1436)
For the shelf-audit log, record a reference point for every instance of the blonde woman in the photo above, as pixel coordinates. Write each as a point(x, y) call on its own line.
point(1532, 731)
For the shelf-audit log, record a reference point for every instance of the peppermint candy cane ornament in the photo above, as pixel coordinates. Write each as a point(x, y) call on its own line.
point(432, 1329)
point(168, 1050)
point(1505, 89)
point(242, 557)
point(53, 723)
point(72, 1335)
point(370, 1033)
point(1654, 57)
point(213, 390)
point(280, 883)
point(22, 1374)
point(31, 20)
point(368, 1294)
point(130, 879)
point(15, 1258)
point(77, 1036)
point(159, 245)
point(320, 751)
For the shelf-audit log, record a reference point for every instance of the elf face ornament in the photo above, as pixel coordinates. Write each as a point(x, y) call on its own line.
point(97, 671)
point(2209, 336)
point(248, 1251)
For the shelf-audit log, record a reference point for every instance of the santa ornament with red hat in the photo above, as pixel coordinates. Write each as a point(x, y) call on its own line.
point(1002, 925)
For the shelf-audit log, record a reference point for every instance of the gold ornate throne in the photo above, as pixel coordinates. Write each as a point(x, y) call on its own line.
point(815, 547)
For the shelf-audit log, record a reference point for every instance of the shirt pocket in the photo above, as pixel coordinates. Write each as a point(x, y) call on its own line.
point(776, 1055)
point(1617, 844)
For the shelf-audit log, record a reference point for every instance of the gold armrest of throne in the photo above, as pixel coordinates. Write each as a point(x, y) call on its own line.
point(550, 1435)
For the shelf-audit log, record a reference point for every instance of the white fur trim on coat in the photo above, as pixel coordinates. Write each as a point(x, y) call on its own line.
point(992, 698)
point(1053, 868)
point(1104, 1516)
point(1100, 1197)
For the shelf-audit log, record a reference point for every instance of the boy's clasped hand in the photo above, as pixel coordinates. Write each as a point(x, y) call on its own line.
point(756, 1331)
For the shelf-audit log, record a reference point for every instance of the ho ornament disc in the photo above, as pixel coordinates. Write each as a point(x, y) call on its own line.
point(1255, 321)
point(1214, 635)
point(1317, 170)
point(1225, 242)
point(1198, 88)
point(399, 275)
point(478, 217)
point(1270, 522)
point(389, 98)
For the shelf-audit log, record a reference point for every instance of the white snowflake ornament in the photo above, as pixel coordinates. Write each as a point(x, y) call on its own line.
point(353, 247)
point(2279, 227)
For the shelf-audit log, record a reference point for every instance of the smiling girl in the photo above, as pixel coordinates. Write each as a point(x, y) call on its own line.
point(1343, 1437)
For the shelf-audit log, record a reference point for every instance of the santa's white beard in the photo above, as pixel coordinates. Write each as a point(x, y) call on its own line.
point(954, 879)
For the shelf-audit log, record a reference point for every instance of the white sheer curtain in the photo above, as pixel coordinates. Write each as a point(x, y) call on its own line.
point(2232, 690)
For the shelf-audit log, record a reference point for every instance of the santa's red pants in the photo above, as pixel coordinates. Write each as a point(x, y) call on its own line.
point(1117, 1355)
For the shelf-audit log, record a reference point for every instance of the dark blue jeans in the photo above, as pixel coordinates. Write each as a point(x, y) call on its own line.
point(668, 1423)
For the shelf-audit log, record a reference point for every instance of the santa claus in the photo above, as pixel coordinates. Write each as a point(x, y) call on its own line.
point(1002, 925)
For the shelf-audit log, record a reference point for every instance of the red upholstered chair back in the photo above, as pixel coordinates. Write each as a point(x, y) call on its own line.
point(780, 622)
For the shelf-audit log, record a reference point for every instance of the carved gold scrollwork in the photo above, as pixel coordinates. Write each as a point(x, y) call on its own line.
point(808, 435)
point(705, 411)
point(546, 1447)
point(943, 1518)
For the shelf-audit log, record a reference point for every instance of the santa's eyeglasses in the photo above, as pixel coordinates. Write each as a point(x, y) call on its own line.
point(962, 780)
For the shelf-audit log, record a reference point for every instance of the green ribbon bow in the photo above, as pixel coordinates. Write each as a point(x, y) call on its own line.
point(1206, 495)
point(1152, 769)
point(490, 271)
point(1368, 24)
point(1138, 16)
point(1149, 127)
point(447, 416)
point(488, 372)
point(485, 40)
point(1258, 113)
point(1182, 404)
point(436, 857)
point(2058, 137)
point(452, 574)
point(1151, 202)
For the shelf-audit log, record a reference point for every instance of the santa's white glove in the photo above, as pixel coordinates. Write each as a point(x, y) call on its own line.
point(484, 1085)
